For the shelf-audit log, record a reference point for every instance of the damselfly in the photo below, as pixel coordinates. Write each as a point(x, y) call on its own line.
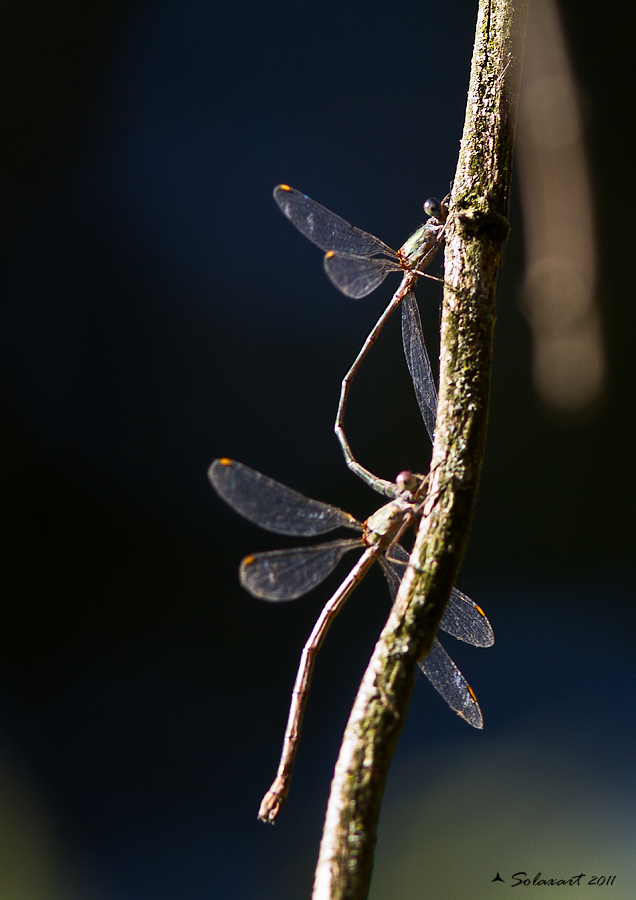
point(357, 263)
point(281, 575)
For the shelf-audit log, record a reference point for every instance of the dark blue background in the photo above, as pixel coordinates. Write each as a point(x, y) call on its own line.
point(157, 312)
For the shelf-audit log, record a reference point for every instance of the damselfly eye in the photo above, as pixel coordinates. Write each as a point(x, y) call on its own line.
point(407, 481)
point(432, 207)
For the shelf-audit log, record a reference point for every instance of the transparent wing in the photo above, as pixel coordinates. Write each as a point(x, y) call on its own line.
point(462, 618)
point(449, 682)
point(467, 621)
point(418, 362)
point(272, 505)
point(438, 667)
point(288, 574)
point(357, 276)
point(324, 228)
point(392, 574)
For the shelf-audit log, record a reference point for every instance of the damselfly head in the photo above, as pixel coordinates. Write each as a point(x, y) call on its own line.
point(409, 481)
point(432, 207)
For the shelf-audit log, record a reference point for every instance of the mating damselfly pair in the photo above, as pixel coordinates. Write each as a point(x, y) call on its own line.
point(356, 262)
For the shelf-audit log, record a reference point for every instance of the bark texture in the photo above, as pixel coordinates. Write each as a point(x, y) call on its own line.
point(476, 231)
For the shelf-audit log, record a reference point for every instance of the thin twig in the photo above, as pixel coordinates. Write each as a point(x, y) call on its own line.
point(476, 230)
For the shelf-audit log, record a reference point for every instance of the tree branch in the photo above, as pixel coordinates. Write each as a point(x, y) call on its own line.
point(475, 233)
